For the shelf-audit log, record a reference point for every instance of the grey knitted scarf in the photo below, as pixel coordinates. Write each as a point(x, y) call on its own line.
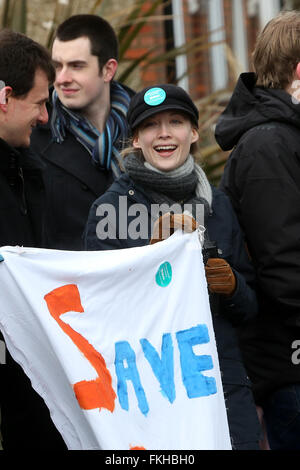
point(187, 184)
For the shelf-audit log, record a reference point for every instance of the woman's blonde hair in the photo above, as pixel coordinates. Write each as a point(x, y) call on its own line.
point(277, 51)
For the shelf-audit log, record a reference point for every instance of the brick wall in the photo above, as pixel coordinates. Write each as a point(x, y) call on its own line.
point(198, 61)
point(153, 35)
point(151, 38)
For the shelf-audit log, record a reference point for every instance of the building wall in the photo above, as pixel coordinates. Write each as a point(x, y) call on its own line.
point(199, 60)
point(153, 38)
point(199, 65)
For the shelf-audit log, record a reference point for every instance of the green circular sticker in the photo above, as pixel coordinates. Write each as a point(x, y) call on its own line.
point(164, 274)
point(155, 96)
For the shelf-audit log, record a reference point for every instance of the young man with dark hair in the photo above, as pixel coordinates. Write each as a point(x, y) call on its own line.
point(87, 128)
point(25, 74)
point(24, 90)
point(262, 175)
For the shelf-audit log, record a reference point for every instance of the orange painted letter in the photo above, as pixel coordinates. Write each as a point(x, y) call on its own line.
point(97, 393)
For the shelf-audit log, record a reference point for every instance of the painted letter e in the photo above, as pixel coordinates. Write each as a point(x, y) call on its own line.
point(196, 384)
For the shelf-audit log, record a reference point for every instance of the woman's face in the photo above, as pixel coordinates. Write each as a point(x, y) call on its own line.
point(165, 139)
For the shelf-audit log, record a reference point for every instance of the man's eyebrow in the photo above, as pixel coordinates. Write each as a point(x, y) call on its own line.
point(43, 100)
point(71, 62)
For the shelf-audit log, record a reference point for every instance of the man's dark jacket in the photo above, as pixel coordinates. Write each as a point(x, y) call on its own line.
point(223, 227)
point(72, 184)
point(25, 421)
point(262, 178)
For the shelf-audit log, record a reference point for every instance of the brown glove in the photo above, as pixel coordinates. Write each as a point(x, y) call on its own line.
point(219, 276)
point(168, 223)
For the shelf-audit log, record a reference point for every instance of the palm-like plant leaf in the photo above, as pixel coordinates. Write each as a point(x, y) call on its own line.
point(5, 14)
point(130, 31)
point(15, 15)
point(134, 64)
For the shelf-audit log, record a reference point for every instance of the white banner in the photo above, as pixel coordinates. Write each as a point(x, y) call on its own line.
point(119, 344)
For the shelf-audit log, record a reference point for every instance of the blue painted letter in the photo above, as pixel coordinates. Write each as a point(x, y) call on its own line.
point(163, 367)
point(196, 384)
point(124, 352)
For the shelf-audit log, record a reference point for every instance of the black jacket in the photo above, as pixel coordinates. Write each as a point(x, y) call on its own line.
point(72, 184)
point(224, 229)
point(262, 178)
point(25, 420)
point(21, 198)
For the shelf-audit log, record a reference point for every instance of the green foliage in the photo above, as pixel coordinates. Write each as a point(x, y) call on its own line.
point(131, 29)
point(14, 15)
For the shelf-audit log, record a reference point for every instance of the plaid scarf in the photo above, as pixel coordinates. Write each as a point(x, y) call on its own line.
point(104, 147)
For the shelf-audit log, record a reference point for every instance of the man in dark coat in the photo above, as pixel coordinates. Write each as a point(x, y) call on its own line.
point(87, 128)
point(262, 178)
point(25, 73)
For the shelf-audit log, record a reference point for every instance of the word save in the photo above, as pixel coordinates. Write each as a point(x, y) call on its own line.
point(99, 393)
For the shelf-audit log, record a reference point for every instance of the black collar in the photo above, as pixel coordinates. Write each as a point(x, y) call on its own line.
point(19, 157)
point(7, 154)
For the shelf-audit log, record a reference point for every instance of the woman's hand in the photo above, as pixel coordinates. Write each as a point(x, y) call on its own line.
point(168, 223)
point(220, 277)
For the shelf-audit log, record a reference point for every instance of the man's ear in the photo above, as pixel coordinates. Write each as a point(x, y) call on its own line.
point(5, 93)
point(298, 71)
point(109, 70)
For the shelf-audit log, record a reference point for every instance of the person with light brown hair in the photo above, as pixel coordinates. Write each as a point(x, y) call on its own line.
point(262, 178)
point(277, 51)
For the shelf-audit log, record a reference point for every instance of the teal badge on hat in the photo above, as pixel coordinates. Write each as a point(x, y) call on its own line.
point(155, 96)
point(164, 274)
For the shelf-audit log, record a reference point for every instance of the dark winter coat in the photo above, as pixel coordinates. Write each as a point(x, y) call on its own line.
point(21, 198)
point(262, 178)
point(224, 229)
point(25, 419)
point(72, 183)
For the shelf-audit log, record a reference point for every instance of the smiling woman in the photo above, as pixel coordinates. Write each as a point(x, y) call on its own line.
point(160, 171)
point(165, 139)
